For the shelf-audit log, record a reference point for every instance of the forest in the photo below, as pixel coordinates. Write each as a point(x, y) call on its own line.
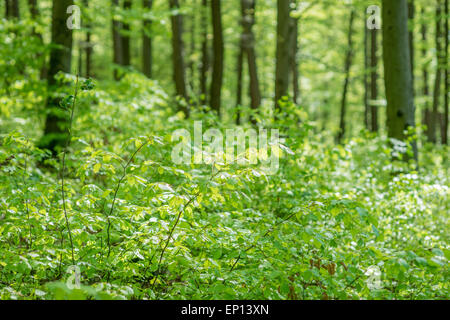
point(224, 150)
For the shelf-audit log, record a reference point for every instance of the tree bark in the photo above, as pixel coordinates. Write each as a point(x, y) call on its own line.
point(239, 71)
point(192, 46)
point(366, 81)
point(218, 56)
point(34, 12)
point(446, 85)
point(397, 70)
point(55, 130)
point(434, 121)
point(373, 81)
point(126, 53)
point(88, 48)
point(411, 14)
point(204, 68)
point(12, 9)
point(282, 55)
point(426, 89)
point(248, 9)
point(147, 55)
point(179, 71)
point(294, 58)
point(347, 67)
point(117, 41)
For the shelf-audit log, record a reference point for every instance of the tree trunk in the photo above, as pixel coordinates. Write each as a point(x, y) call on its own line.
point(88, 46)
point(411, 13)
point(446, 85)
point(179, 71)
point(366, 81)
point(34, 12)
point(117, 41)
point(218, 56)
point(239, 67)
point(373, 81)
point(434, 123)
point(192, 47)
point(60, 61)
point(426, 89)
point(397, 70)
point(33, 7)
point(126, 53)
point(147, 59)
point(248, 9)
point(205, 53)
point(282, 55)
point(294, 58)
point(348, 64)
point(12, 9)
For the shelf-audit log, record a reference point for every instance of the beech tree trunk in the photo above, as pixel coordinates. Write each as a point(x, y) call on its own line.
point(426, 90)
point(117, 41)
point(12, 9)
point(126, 53)
point(147, 55)
point(411, 14)
point(283, 54)
point(373, 81)
point(204, 67)
point(239, 72)
point(55, 130)
point(434, 121)
point(397, 70)
point(88, 48)
point(294, 58)
point(347, 67)
point(446, 85)
point(248, 9)
point(218, 56)
point(366, 77)
point(179, 71)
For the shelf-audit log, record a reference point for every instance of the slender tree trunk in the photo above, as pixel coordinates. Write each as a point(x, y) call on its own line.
point(179, 71)
point(204, 69)
point(147, 57)
point(34, 12)
point(411, 14)
point(447, 88)
point(366, 81)
point(434, 123)
point(397, 70)
point(117, 41)
point(192, 47)
point(218, 50)
point(126, 52)
point(88, 46)
point(426, 89)
point(294, 58)
point(33, 7)
point(80, 57)
point(239, 72)
point(249, 7)
point(348, 64)
point(283, 54)
point(60, 61)
point(12, 9)
point(373, 80)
